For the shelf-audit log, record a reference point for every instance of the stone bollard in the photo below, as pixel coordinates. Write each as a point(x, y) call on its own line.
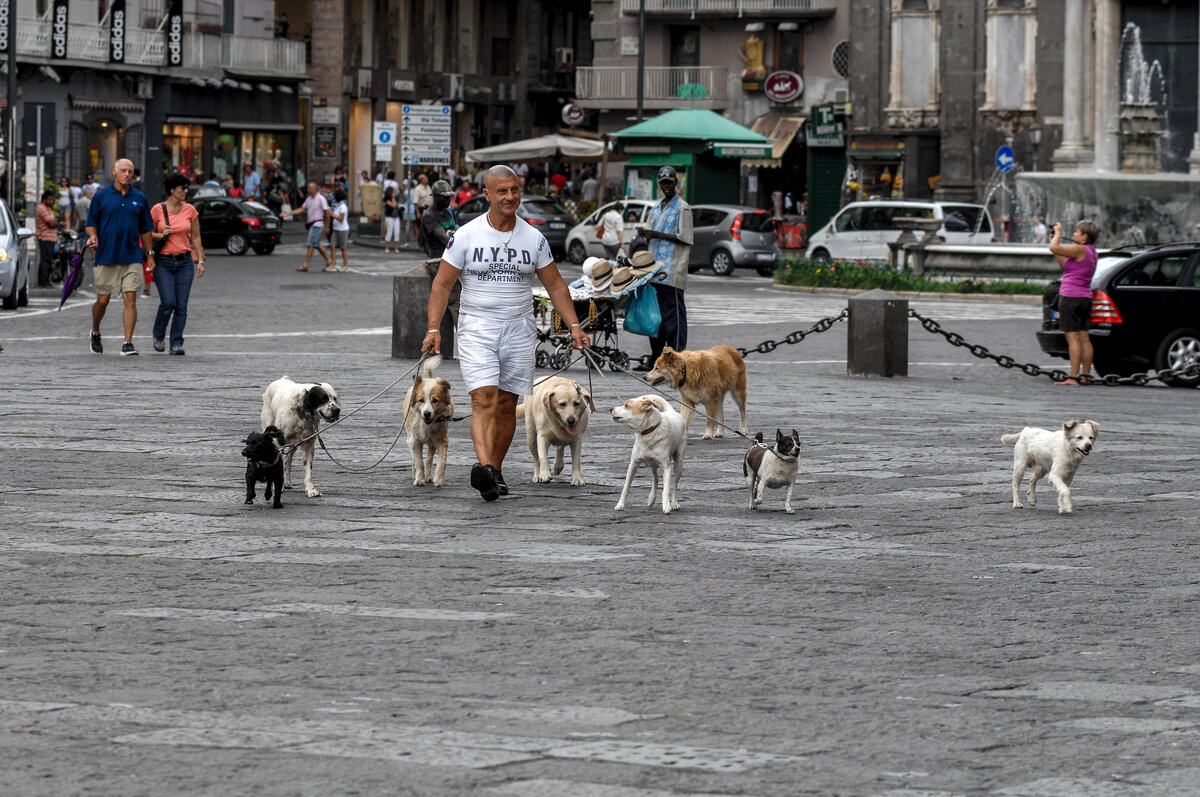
point(877, 343)
point(410, 299)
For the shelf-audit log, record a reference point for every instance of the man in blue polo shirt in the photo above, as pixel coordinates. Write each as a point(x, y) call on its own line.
point(117, 222)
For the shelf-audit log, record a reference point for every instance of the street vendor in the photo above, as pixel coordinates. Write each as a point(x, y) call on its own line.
point(494, 257)
point(670, 241)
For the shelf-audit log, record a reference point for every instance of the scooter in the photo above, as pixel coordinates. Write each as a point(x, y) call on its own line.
point(69, 245)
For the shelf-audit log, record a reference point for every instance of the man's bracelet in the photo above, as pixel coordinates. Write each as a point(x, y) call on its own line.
point(433, 330)
point(576, 324)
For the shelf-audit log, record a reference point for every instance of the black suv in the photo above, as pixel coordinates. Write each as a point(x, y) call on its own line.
point(1145, 313)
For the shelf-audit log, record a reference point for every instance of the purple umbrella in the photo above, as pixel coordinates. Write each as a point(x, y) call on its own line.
point(73, 279)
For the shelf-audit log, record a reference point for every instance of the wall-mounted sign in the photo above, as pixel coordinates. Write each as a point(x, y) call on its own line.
point(175, 33)
point(735, 150)
point(824, 130)
point(327, 116)
point(573, 115)
point(426, 135)
point(6, 17)
point(863, 148)
point(59, 23)
point(325, 141)
point(402, 85)
point(116, 32)
point(783, 86)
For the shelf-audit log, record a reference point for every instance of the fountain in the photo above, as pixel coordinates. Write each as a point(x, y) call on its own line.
point(1139, 123)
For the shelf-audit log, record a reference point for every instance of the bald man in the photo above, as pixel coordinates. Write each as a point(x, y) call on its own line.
point(118, 231)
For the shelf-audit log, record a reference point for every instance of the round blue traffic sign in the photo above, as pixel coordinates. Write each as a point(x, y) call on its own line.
point(384, 136)
point(1006, 159)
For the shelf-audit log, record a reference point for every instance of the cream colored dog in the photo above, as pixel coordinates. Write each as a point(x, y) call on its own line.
point(428, 409)
point(1056, 455)
point(704, 377)
point(556, 414)
point(659, 440)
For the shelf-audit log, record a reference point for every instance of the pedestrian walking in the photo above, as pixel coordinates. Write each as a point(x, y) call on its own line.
point(231, 188)
point(251, 182)
point(464, 195)
point(82, 205)
point(47, 223)
point(339, 218)
point(670, 241)
point(422, 199)
point(1038, 229)
point(66, 203)
point(276, 191)
point(315, 207)
point(179, 261)
point(437, 226)
point(613, 239)
point(1078, 262)
point(494, 256)
point(410, 212)
point(118, 230)
point(590, 188)
point(391, 220)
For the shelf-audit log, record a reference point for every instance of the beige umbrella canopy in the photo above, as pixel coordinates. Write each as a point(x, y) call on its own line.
point(566, 149)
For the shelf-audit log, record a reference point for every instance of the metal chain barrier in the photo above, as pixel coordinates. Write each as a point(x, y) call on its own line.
point(824, 325)
point(1055, 374)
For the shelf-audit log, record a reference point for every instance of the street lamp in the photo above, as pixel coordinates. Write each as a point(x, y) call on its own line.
point(1035, 138)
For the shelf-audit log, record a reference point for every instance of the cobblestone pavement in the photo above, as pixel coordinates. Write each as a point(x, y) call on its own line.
point(906, 633)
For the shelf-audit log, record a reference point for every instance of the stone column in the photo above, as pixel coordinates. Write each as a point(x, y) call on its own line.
point(1074, 152)
point(1108, 84)
point(1194, 155)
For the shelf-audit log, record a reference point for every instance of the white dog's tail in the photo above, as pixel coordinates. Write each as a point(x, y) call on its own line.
point(1009, 438)
point(430, 365)
point(521, 410)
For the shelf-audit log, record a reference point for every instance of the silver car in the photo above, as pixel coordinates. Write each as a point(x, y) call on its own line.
point(14, 260)
point(727, 237)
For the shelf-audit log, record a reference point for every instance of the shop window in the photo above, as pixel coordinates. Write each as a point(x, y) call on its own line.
point(789, 51)
point(183, 149)
point(915, 82)
point(1010, 83)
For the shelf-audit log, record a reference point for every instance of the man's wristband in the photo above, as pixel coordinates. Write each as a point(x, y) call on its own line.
point(428, 331)
point(576, 324)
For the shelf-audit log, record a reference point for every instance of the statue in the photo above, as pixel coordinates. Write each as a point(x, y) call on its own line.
point(751, 52)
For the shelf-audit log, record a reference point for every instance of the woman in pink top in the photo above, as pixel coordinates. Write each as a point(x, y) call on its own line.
point(174, 267)
point(1078, 262)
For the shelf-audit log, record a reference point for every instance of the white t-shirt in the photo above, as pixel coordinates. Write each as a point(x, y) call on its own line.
point(341, 209)
point(612, 225)
point(496, 279)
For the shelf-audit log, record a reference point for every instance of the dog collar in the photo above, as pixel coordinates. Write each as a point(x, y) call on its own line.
point(682, 374)
point(781, 456)
point(651, 429)
point(278, 454)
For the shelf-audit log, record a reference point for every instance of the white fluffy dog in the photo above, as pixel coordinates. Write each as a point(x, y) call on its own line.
point(297, 409)
point(1056, 454)
point(428, 410)
point(659, 440)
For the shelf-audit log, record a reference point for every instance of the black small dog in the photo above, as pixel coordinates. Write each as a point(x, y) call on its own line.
point(264, 463)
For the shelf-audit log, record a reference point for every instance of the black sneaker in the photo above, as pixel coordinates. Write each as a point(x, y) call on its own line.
point(501, 486)
point(160, 344)
point(127, 349)
point(178, 351)
point(97, 346)
point(483, 480)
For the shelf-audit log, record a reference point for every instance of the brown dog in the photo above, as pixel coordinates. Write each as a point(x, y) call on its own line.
point(428, 410)
point(704, 377)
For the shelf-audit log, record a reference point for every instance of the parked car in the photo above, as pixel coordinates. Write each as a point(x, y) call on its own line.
point(726, 237)
point(195, 192)
point(237, 225)
point(14, 260)
point(863, 230)
point(582, 242)
point(546, 215)
point(1145, 313)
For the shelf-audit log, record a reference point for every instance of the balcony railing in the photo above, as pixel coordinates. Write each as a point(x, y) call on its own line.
point(662, 82)
point(733, 8)
point(143, 47)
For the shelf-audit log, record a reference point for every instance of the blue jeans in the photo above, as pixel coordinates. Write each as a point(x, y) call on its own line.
point(173, 274)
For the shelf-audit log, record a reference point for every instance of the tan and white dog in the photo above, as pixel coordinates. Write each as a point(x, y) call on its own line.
point(297, 410)
point(704, 377)
point(556, 414)
point(428, 410)
point(1056, 455)
point(659, 440)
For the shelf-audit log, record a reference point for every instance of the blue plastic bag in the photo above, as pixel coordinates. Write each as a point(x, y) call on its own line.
point(642, 316)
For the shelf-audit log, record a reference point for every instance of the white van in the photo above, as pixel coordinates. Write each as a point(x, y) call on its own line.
point(863, 230)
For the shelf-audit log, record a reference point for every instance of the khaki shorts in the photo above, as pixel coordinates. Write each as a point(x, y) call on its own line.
point(121, 278)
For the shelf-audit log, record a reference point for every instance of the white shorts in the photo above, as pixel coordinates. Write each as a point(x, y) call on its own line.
point(497, 353)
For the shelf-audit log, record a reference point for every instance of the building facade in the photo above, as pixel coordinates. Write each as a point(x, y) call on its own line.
point(174, 85)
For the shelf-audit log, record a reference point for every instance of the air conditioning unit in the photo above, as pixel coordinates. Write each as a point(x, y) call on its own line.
point(143, 87)
point(564, 56)
point(841, 96)
point(452, 86)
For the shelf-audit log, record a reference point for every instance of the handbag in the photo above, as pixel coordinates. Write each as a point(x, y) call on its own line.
point(157, 246)
point(642, 316)
point(600, 231)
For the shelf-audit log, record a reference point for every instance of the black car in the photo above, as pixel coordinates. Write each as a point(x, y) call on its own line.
point(237, 225)
point(546, 215)
point(1145, 313)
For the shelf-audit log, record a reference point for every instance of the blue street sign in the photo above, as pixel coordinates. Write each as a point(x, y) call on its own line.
point(1006, 159)
point(385, 137)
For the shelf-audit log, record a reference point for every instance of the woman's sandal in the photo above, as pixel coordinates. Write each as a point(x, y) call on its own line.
point(1070, 381)
point(302, 268)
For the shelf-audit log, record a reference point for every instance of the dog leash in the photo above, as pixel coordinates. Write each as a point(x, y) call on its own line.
point(695, 410)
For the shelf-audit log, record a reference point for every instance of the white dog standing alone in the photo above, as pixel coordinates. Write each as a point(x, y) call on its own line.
point(1053, 454)
point(297, 409)
point(659, 440)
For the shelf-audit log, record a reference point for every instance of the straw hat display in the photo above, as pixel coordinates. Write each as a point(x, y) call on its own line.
point(623, 277)
point(643, 263)
point(602, 275)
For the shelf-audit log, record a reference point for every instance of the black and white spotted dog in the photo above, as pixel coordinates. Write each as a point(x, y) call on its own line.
point(772, 466)
point(297, 410)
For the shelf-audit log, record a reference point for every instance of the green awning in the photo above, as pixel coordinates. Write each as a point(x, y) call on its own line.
point(666, 159)
point(691, 124)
